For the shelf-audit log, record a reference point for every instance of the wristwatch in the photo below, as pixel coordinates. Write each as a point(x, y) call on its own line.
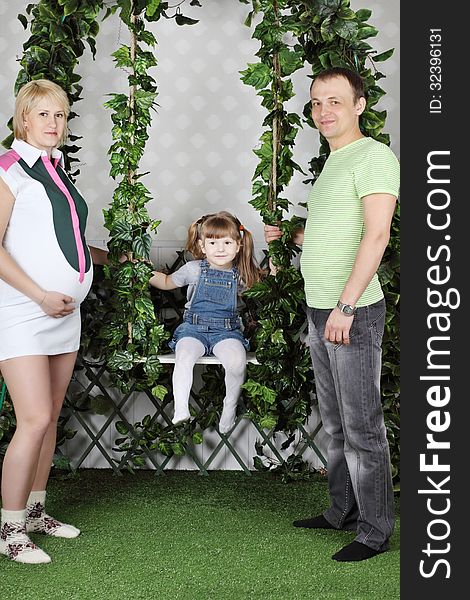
point(346, 309)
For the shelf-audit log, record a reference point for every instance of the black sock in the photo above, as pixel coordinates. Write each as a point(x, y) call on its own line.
point(318, 522)
point(355, 551)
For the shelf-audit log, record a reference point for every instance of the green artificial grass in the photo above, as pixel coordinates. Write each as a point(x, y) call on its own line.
point(182, 536)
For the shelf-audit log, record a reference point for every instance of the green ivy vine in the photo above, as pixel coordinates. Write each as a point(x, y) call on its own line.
point(132, 335)
point(325, 33)
point(129, 334)
point(277, 390)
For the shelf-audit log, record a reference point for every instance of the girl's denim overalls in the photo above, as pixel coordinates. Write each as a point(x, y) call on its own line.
point(212, 316)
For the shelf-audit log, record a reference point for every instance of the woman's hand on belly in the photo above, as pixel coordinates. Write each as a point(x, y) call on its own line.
point(57, 305)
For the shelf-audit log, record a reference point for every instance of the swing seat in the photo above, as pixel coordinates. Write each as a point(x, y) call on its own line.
point(204, 360)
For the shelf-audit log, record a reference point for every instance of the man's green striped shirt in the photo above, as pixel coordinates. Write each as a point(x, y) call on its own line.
point(335, 221)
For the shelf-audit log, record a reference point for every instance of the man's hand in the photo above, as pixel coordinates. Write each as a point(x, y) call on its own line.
point(271, 233)
point(337, 327)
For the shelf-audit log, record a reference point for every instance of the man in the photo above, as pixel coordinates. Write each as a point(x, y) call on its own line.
point(350, 209)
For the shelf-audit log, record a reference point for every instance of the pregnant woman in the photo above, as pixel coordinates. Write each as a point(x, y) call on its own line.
point(45, 273)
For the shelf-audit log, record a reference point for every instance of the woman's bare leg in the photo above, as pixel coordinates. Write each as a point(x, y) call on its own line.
point(29, 384)
point(61, 370)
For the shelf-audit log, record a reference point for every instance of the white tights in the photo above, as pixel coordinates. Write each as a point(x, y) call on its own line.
point(231, 354)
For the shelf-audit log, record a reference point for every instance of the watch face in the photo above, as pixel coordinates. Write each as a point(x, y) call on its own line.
point(346, 309)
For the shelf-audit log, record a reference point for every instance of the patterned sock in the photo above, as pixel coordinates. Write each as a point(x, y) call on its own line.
point(38, 521)
point(14, 541)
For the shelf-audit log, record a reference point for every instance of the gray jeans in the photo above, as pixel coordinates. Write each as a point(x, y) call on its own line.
point(347, 381)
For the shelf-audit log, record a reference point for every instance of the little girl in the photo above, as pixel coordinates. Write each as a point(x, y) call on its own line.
point(224, 268)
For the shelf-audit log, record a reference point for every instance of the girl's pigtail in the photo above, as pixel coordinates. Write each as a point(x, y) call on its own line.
point(192, 243)
point(249, 271)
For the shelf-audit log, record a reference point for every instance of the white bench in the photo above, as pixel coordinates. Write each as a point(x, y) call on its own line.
point(205, 360)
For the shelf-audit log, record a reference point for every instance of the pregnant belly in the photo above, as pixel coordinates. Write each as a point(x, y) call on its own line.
point(67, 282)
point(58, 278)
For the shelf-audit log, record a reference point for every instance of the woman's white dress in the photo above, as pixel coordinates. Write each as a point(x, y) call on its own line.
point(45, 236)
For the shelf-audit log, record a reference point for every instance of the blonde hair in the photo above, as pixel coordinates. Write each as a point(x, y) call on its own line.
point(224, 224)
point(29, 95)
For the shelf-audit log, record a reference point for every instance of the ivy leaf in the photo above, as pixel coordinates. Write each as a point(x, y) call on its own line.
point(165, 448)
point(122, 57)
point(101, 405)
point(327, 31)
point(118, 102)
point(383, 56)
point(142, 245)
point(255, 389)
point(259, 448)
point(70, 7)
point(148, 38)
point(23, 20)
point(159, 391)
point(259, 465)
point(125, 6)
point(152, 368)
point(178, 448)
point(121, 230)
point(38, 54)
point(120, 360)
point(363, 14)
point(346, 13)
point(258, 75)
point(371, 120)
point(144, 306)
point(323, 8)
point(143, 61)
point(290, 61)
point(268, 421)
point(249, 19)
point(45, 12)
point(144, 99)
point(122, 428)
point(277, 337)
point(94, 28)
point(139, 331)
point(366, 31)
point(152, 7)
point(182, 20)
point(197, 437)
point(346, 29)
